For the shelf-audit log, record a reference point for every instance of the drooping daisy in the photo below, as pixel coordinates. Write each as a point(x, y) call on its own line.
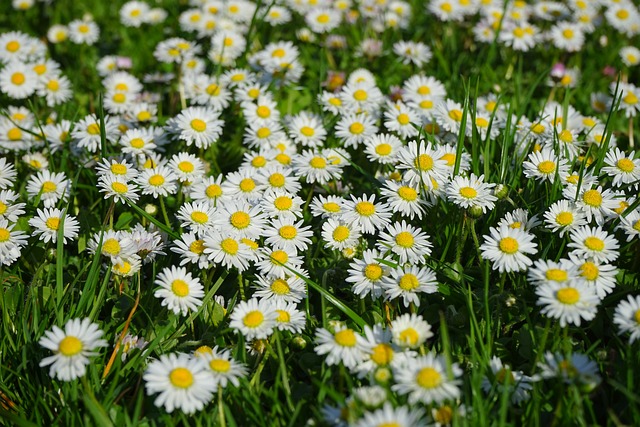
point(576, 369)
point(627, 317)
point(426, 379)
point(50, 187)
point(343, 346)
point(184, 382)
point(630, 224)
point(595, 243)
point(255, 319)
point(410, 330)
point(409, 243)
point(569, 303)
point(506, 380)
point(47, 224)
point(508, 248)
point(180, 292)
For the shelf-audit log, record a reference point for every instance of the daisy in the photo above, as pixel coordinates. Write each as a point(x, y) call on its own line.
point(382, 148)
point(262, 110)
point(285, 234)
point(49, 187)
point(569, 303)
point(630, 225)
point(519, 36)
point(158, 182)
point(191, 250)
point(9, 209)
point(223, 368)
point(623, 168)
point(72, 348)
point(197, 216)
point(426, 379)
point(546, 271)
point(567, 36)
point(628, 95)
point(627, 317)
point(199, 126)
point(56, 89)
point(279, 263)
point(471, 192)
point(599, 276)
point(83, 31)
point(519, 218)
point(184, 382)
point(18, 81)
point(361, 97)
point(401, 416)
point(446, 10)
point(327, 206)
point(423, 163)
point(506, 380)
point(14, 46)
point(280, 204)
point(209, 189)
point(179, 291)
point(411, 52)
point(87, 132)
point(408, 282)
point(11, 242)
point(366, 274)
point(116, 168)
point(7, 173)
point(630, 55)
point(255, 319)
point(410, 331)
point(564, 216)
point(595, 243)
point(508, 248)
point(307, 129)
point(545, 165)
point(576, 369)
point(240, 218)
point(449, 115)
point(289, 317)
point(278, 177)
point(47, 224)
point(354, 129)
point(286, 289)
point(323, 20)
point(409, 243)
point(127, 267)
point(368, 215)
point(119, 188)
point(340, 235)
point(315, 167)
point(343, 346)
point(331, 103)
point(243, 185)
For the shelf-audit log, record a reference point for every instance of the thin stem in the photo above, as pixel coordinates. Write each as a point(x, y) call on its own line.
point(164, 212)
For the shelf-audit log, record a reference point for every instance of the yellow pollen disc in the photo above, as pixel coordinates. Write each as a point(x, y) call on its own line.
point(12, 46)
point(360, 95)
point(93, 129)
point(336, 102)
point(156, 180)
point(18, 79)
point(424, 162)
point(3, 208)
point(556, 275)
point(253, 93)
point(346, 338)
point(455, 115)
point(252, 245)
point(4, 234)
point(403, 119)
point(443, 415)
point(323, 18)
point(622, 14)
point(118, 169)
point(491, 106)
point(446, 7)
point(636, 226)
point(516, 224)
point(253, 319)
point(186, 166)
point(307, 131)
point(566, 136)
point(382, 354)
point(180, 288)
point(40, 69)
point(240, 219)
point(258, 162)
point(365, 208)
point(341, 233)
point(283, 203)
point(181, 378)
point(119, 187)
point(53, 223)
point(592, 198)
point(505, 375)
point(428, 378)
point(263, 133)
point(426, 104)
point(481, 122)
point(508, 245)
point(537, 128)
point(404, 239)
point(220, 365)
point(288, 232)
point(626, 165)
point(280, 257)
point(230, 246)
point(263, 112)
point(199, 217)
point(567, 33)
point(468, 192)
point(373, 272)
point(183, 46)
point(276, 179)
point(280, 287)
point(213, 191)
point(14, 134)
point(198, 125)
point(197, 247)
point(424, 90)
point(49, 187)
point(383, 149)
point(318, 163)
point(630, 98)
point(589, 271)
point(331, 207)
point(123, 268)
point(119, 98)
point(593, 243)
point(409, 336)
point(573, 179)
point(356, 128)
point(407, 193)
point(144, 116)
point(111, 247)
point(83, 28)
point(53, 85)
point(278, 53)
point(546, 167)
point(636, 316)
point(122, 87)
point(70, 346)
point(408, 282)
point(247, 185)
point(213, 89)
point(568, 296)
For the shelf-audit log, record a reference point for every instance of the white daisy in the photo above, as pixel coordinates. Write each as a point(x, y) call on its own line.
point(595, 243)
point(569, 303)
point(366, 274)
point(407, 282)
point(179, 291)
point(343, 346)
point(627, 317)
point(409, 243)
point(255, 319)
point(47, 224)
point(508, 248)
point(426, 379)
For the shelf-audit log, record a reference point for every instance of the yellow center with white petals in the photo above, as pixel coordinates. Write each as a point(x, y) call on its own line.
point(111, 247)
point(230, 246)
point(546, 167)
point(455, 115)
point(468, 192)
point(137, 143)
point(156, 180)
point(198, 125)
point(331, 207)
point(283, 203)
point(186, 166)
point(346, 338)
point(564, 218)
point(18, 79)
point(318, 163)
point(240, 219)
point(247, 185)
point(181, 378)
point(383, 149)
point(404, 239)
point(53, 223)
point(365, 208)
point(626, 165)
point(199, 217)
point(263, 112)
point(408, 282)
point(253, 319)
point(356, 128)
point(280, 287)
point(119, 187)
point(373, 272)
point(508, 245)
point(424, 162)
point(288, 232)
point(280, 257)
point(568, 296)
point(382, 354)
point(213, 191)
point(14, 134)
point(360, 95)
point(589, 271)
point(5, 234)
point(341, 233)
point(276, 180)
point(197, 247)
point(556, 275)
point(180, 288)
point(307, 131)
point(428, 378)
point(70, 346)
point(594, 243)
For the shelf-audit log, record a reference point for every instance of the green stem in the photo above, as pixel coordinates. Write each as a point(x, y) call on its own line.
point(164, 212)
point(221, 408)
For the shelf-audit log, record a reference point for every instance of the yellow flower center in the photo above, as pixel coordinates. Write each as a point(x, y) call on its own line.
point(3, 208)
point(197, 247)
point(537, 128)
point(144, 116)
point(626, 165)
point(276, 179)
point(14, 134)
point(424, 90)
point(111, 247)
point(382, 354)
point(443, 415)
point(253, 93)
point(13, 46)
point(331, 207)
point(119, 98)
point(118, 169)
point(70, 346)
point(592, 198)
point(307, 131)
point(258, 162)
point(424, 162)
point(426, 105)
point(636, 316)
point(567, 33)
point(365, 208)
point(280, 257)
point(336, 102)
point(280, 287)
point(247, 185)
point(556, 275)
point(505, 375)
point(323, 18)
point(181, 378)
point(123, 268)
point(253, 319)
point(53, 85)
point(186, 167)
point(383, 149)
point(4, 234)
point(198, 125)
point(341, 233)
point(252, 245)
point(407, 193)
point(446, 7)
point(220, 365)
point(156, 180)
point(213, 191)
point(137, 143)
point(481, 122)
point(508, 245)
point(630, 98)
point(360, 95)
point(568, 296)
point(408, 282)
point(240, 220)
point(283, 316)
point(546, 167)
point(288, 232)
point(283, 203)
point(318, 163)
point(589, 271)
point(403, 119)
point(404, 239)
point(566, 136)
point(593, 243)
point(346, 338)
point(373, 272)
point(456, 115)
point(119, 187)
point(429, 378)
point(230, 246)
point(18, 79)
point(263, 112)
point(52, 223)
point(180, 288)
point(263, 133)
point(468, 192)
point(622, 14)
point(564, 218)
point(356, 128)
point(49, 187)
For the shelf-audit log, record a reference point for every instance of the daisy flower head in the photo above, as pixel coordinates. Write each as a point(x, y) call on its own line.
point(567, 36)
point(366, 274)
point(315, 167)
point(307, 129)
point(9, 209)
point(508, 248)
point(243, 185)
point(594, 243)
point(449, 115)
point(343, 346)
point(158, 182)
point(597, 275)
point(208, 189)
point(83, 31)
point(519, 218)
point(410, 52)
point(630, 225)
point(14, 46)
point(287, 289)
point(410, 330)
point(629, 97)
point(382, 148)
point(625, 169)
point(404, 198)
point(184, 382)
point(446, 10)
point(471, 192)
point(563, 216)
point(544, 165)
point(354, 129)
point(286, 234)
point(323, 20)
point(520, 36)
point(17, 80)
point(238, 217)
point(47, 224)
point(56, 89)
point(187, 167)
point(51, 187)
point(289, 317)
point(570, 303)
point(426, 380)
point(367, 214)
point(339, 234)
point(127, 267)
point(281, 204)
point(262, 110)
point(116, 168)
point(179, 291)
point(422, 163)
point(630, 56)
point(327, 206)
point(199, 126)
point(255, 318)
point(504, 379)
point(87, 132)
point(361, 97)
point(278, 177)
point(627, 317)
point(545, 271)
point(408, 282)
point(401, 416)
point(117, 245)
point(223, 367)
point(7, 173)
point(409, 243)
point(119, 188)
point(197, 216)
point(11, 242)
point(191, 250)
point(576, 369)
point(71, 347)
point(279, 263)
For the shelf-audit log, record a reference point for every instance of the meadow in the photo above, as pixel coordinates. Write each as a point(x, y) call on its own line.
point(319, 213)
